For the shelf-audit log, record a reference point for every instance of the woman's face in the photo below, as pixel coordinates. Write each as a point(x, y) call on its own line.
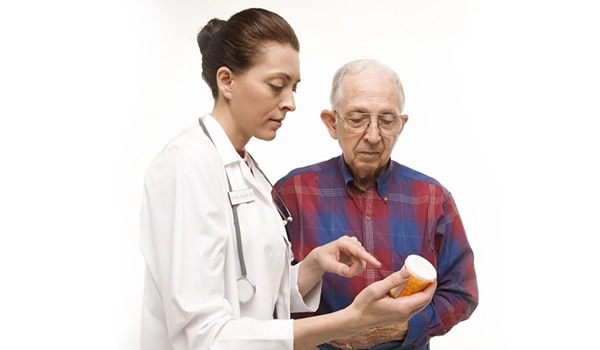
point(262, 95)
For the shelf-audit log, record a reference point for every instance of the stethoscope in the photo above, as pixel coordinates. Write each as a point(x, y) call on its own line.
point(247, 288)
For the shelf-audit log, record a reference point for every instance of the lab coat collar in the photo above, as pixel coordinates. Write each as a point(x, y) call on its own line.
point(230, 156)
point(224, 146)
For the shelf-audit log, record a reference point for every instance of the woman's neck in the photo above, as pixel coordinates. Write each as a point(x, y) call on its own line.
point(231, 127)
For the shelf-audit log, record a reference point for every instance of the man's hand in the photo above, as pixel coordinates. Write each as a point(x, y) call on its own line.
point(372, 337)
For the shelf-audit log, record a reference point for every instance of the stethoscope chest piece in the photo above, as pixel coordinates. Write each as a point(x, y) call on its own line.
point(246, 289)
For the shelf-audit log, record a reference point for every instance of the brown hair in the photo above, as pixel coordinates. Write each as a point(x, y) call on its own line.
point(238, 42)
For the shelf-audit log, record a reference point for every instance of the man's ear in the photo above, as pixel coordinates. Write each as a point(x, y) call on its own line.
point(404, 118)
point(225, 81)
point(328, 118)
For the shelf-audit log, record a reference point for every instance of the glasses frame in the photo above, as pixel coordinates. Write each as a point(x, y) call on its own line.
point(372, 116)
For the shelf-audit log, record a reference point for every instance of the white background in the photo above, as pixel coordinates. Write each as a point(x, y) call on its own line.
point(503, 105)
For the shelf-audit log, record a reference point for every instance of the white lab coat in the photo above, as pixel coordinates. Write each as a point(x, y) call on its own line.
point(189, 245)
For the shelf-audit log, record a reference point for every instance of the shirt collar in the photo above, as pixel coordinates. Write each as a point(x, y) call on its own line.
point(381, 182)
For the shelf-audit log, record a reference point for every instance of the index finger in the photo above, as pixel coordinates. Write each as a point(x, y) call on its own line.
point(360, 252)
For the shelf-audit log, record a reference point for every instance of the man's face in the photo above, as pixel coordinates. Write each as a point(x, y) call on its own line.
point(367, 154)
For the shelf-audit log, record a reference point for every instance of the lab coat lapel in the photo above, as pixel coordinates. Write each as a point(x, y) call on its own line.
point(232, 161)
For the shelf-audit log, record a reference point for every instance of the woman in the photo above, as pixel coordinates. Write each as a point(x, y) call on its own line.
point(218, 262)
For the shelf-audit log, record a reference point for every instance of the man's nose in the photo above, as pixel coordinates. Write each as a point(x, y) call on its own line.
point(373, 134)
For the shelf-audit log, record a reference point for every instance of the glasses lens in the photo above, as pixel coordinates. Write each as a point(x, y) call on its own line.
point(387, 123)
point(357, 123)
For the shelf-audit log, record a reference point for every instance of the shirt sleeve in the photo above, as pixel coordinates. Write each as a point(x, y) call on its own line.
point(457, 293)
point(185, 240)
point(308, 303)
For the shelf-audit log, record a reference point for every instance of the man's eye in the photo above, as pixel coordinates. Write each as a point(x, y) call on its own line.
point(357, 121)
point(386, 118)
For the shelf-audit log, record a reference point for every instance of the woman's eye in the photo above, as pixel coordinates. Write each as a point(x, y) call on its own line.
point(276, 88)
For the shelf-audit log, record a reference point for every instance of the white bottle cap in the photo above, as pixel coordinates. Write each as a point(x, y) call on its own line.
point(421, 268)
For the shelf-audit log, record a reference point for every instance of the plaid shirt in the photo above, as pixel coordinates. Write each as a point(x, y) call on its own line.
point(403, 212)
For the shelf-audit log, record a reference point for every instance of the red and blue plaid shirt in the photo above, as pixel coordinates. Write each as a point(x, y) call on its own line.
point(403, 212)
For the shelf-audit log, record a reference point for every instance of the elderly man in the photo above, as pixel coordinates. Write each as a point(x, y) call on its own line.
point(393, 210)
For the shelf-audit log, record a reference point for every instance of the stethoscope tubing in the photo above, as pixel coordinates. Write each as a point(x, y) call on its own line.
point(246, 288)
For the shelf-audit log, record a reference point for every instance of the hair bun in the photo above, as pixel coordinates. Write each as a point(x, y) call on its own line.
point(208, 32)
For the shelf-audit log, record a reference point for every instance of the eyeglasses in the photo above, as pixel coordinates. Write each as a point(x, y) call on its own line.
point(358, 122)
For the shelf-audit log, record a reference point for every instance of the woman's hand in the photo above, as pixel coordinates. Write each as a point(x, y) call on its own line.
point(345, 256)
point(373, 307)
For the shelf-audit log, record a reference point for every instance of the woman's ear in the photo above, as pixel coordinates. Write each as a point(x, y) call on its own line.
point(328, 118)
point(225, 81)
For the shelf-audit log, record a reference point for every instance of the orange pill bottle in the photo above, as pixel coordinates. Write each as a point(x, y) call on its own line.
point(421, 272)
